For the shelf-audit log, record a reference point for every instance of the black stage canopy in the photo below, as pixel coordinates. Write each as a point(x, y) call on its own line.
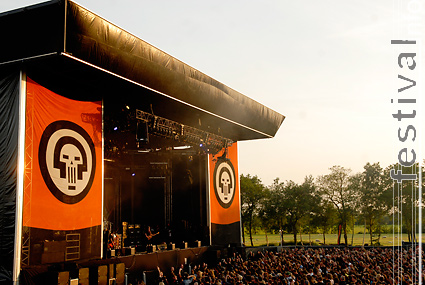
point(64, 46)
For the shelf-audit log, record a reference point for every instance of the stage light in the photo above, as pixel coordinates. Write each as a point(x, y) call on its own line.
point(207, 142)
point(115, 128)
point(133, 174)
point(182, 147)
point(128, 107)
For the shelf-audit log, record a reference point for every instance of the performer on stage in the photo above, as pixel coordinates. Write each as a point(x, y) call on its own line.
point(150, 235)
point(112, 241)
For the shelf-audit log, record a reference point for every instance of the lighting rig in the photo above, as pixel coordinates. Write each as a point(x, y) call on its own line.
point(208, 142)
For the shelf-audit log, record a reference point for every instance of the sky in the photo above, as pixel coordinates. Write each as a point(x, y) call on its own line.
point(327, 66)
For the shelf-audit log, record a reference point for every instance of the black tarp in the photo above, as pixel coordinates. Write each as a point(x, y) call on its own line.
point(9, 121)
point(64, 28)
point(97, 41)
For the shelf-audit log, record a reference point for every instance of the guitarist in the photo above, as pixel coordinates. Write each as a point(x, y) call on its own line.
point(149, 235)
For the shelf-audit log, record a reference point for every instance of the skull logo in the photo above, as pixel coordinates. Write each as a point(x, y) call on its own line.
point(70, 158)
point(67, 160)
point(225, 183)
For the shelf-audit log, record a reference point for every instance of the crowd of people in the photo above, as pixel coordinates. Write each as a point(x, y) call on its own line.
point(304, 266)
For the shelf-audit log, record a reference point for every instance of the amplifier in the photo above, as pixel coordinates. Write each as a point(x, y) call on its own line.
point(151, 248)
point(130, 250)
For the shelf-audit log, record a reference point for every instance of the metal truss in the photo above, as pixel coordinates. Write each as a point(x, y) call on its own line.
point(209, 142)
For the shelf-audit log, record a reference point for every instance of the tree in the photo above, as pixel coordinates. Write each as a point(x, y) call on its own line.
point(297, 201)
point(252, 193)
point(372, 206)
point(336, 188)
point(274, 207)
point(267, 213)
point(324, 216)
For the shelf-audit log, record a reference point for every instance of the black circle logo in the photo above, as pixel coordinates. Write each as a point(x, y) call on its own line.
point(67, 160)
point(224, 183)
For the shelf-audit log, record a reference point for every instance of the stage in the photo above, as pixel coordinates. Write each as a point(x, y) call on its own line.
point(108, 135)
point(133, 267)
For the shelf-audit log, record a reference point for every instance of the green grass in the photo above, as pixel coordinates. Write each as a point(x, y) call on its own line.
point(386, 239)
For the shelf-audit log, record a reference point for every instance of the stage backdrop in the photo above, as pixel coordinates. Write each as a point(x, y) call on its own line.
point(62, 212)
point(9, 138)
point(225, 203)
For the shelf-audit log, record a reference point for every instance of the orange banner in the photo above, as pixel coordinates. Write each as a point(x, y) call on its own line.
point(224, 187)
point(63, 173)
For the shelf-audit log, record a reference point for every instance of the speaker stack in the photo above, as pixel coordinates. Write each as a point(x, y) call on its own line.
point(130, 240)
point(137, 238)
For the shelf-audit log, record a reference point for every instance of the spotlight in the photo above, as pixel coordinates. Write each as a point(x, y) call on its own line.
point(128, 108)
point(115, 128)
point(133, 174)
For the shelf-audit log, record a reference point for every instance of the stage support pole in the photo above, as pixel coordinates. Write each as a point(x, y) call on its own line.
point(207, 175)
point(103, 185)
point(20, 178)
point(132, 196)
point(240, 200)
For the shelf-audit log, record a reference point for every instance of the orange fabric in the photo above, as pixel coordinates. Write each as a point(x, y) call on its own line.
point(41, 208)
point(219, 214)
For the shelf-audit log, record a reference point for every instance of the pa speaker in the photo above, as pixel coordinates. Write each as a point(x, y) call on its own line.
point(142, 133)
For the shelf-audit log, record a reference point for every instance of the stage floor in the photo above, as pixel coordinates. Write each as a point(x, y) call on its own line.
point(135, 265)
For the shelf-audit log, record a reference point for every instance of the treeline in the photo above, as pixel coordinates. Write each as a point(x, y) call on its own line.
point(336, 200)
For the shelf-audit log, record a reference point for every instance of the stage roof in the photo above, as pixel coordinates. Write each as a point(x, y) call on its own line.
point(65, 46)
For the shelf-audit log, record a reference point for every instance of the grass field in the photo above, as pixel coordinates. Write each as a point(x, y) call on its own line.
point(386, 239)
